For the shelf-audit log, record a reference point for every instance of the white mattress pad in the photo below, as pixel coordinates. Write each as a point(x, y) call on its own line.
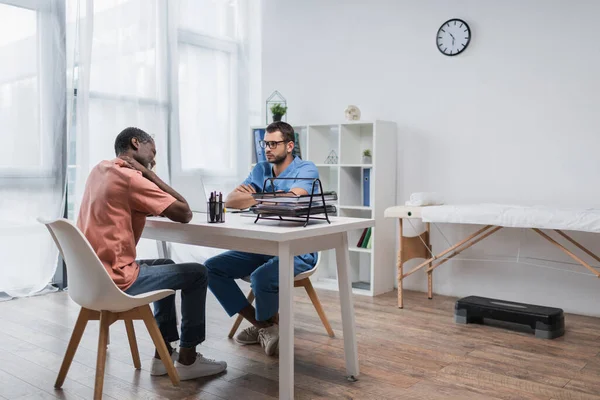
point(515, 216)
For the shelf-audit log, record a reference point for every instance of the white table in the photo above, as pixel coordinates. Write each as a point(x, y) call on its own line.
point(283, 239)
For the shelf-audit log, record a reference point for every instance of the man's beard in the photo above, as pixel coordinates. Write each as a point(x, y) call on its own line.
point(278, 159)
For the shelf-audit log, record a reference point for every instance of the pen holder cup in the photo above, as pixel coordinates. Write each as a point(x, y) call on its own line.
point(215, 212)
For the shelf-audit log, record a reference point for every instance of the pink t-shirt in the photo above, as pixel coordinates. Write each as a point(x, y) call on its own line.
point(113, 213)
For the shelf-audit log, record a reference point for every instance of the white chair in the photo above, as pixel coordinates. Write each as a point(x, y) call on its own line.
point(300, 280)
point(91, 287)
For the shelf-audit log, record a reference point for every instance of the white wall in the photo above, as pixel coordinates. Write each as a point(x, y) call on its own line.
point(513, 119)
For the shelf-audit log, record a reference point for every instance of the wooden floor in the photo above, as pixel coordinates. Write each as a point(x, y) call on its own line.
point(415, 353)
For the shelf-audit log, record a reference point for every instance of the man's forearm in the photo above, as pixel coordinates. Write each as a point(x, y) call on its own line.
point(239, 200)
point(151, 176)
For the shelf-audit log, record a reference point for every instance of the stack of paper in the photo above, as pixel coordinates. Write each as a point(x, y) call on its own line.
point(290, 204)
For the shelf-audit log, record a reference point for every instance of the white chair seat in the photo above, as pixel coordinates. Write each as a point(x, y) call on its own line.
point(138, 300)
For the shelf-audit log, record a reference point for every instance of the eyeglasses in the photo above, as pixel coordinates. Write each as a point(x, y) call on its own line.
point(272, 144)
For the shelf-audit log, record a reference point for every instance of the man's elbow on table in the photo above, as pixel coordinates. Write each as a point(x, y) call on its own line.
point(179, 212)
point(239, 200)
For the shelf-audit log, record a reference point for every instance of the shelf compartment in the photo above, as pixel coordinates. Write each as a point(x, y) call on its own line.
point(329, 179)
point(354, 139)
point(353, 238)
point(322, 139)
point(351, 188)
point(327, 266)
point(360, 270)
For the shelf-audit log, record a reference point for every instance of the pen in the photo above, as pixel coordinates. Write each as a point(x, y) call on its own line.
point(211, 207)
point(220, 207)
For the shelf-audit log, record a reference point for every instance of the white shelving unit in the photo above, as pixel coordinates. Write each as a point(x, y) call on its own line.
point(372, 271)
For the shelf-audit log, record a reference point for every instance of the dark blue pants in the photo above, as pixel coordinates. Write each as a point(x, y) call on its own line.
point(192, 280)
point(264, 280)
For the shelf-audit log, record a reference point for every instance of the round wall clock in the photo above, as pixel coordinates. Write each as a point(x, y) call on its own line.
point(453, 37)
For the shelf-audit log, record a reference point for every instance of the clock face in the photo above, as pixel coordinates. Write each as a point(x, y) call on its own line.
point(453, 37)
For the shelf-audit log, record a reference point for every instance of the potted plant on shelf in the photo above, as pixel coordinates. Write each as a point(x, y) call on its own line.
point(278, 111)
point(366, 157)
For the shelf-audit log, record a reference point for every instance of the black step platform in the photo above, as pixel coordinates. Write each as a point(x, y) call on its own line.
point(548, 322)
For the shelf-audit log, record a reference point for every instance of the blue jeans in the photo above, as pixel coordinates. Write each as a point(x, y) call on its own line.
point(264, 280)
point(192, 280)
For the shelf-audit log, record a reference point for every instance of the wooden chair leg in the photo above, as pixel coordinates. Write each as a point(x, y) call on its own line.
point(82, 319)
point(135, 354)
point(159, 342)
point(315, 300)
point(105, 321)
point(239, 318)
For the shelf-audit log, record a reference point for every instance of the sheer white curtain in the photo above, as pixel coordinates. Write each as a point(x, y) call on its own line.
point(33, 134)
point(121, 68)
point(177, 69)
point(218, 90)
point(217, 87)
point(121, 71)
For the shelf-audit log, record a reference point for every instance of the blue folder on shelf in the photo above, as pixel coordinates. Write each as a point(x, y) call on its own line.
point(259, 134)
point(367, 187)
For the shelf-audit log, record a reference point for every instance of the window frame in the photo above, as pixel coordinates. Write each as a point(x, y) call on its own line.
point(48, 17)
point(38, 177)
point(230, 47)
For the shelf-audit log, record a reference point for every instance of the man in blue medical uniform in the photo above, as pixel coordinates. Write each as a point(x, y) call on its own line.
point(262, 269)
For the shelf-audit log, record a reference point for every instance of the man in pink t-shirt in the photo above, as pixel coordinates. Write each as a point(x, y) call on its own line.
point(118, 196)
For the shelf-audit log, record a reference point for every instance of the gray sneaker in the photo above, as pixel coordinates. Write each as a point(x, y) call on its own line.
point(269, 339)
point(201, 367)
point(248, 336)
point(157, 368)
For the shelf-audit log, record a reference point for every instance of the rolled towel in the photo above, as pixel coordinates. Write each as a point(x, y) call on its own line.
point(425, 199)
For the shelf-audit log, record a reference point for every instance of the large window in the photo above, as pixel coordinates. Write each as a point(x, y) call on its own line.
point(207, 52)
point(22, 147)
point(33, 131)
point(205, 108)
point(127, 83)
point(125, 67)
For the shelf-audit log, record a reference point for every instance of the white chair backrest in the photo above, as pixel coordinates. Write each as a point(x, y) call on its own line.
point(89, 284)
point(319, 255)
point(311, 271)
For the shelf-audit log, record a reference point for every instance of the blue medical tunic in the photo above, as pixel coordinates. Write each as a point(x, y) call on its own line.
point(297, 169)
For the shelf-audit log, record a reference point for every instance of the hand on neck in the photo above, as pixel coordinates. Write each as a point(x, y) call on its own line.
point(128, 153)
